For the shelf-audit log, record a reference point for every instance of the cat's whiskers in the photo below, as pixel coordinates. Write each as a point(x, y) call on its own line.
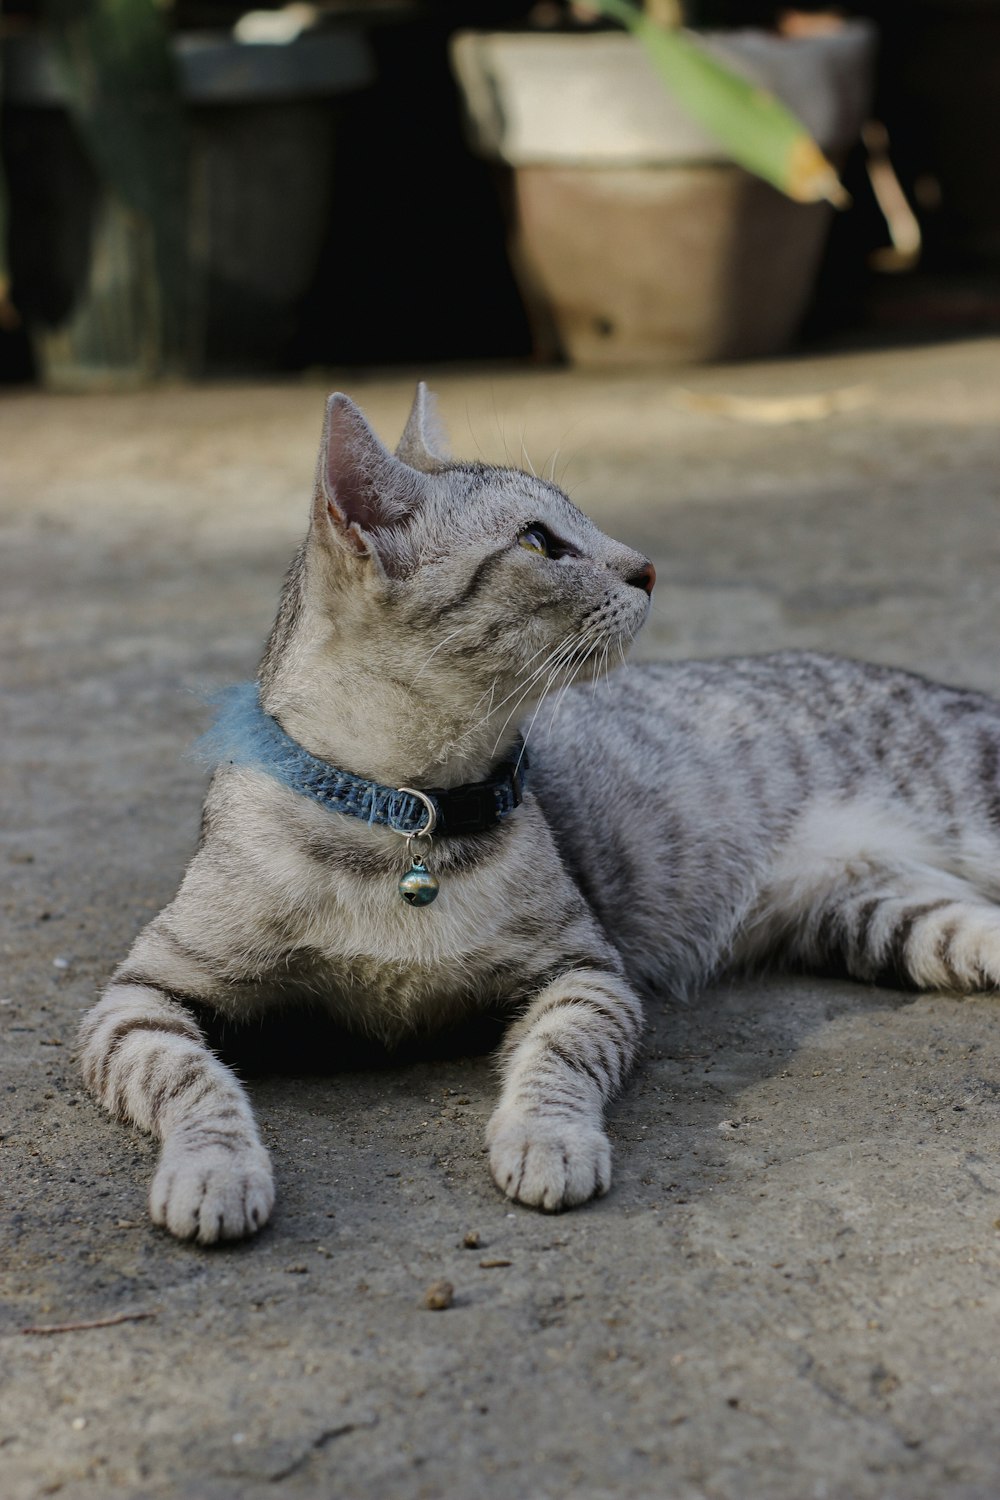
point(554, 664)
point(562, 664)
point(595, 677)
point(449, 637)
point(519, 692)
point(464, 740)
point(559, 662)
point(601, 674)
point(531, 658)
point(487, 697)
point(500, 427)
point(559, 667)
point(520, 688)
point(491, 692)
point(602, 671)
point(566, 432)
point(573, 672)
point(554, 668)
point(576, 672)
point(591, 644)
point(468, 422)
point(593, 641)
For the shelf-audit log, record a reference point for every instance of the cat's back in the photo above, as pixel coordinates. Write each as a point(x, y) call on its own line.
point(658, 769)
point(669, 786)
point(672, 717)
point(652, 723)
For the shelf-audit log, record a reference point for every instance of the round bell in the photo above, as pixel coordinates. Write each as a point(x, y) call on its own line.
point(418, 886)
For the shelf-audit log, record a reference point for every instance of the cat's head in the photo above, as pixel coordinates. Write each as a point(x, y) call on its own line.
point(435, 602)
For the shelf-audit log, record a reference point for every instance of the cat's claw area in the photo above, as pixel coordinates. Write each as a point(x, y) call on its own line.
point(211, 1193)
point(548, 1164)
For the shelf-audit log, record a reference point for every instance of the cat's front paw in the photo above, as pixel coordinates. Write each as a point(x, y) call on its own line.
point(548, 1164)
point(211, 1192)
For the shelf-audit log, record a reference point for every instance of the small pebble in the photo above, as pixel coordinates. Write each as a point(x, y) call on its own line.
point(488, 1265)
point(471, 1240)
point(78, 1424)
point(439, 1295)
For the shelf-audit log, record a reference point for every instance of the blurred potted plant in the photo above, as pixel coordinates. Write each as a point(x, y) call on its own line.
point(168, 189)
point(669, 192)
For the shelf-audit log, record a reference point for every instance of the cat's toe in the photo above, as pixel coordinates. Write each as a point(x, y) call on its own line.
point(548, 1165)
point(212, 1194)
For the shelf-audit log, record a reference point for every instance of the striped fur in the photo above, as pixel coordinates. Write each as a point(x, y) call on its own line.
point(681, 818)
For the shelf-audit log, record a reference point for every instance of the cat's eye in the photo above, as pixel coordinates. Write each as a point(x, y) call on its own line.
point(535, 539)
point(538, 538)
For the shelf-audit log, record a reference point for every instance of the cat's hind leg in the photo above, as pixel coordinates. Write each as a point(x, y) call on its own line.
point(891, 923)
point(926, 936)
point(144, 1057)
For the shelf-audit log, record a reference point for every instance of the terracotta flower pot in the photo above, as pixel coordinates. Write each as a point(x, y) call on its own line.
point(633, 239)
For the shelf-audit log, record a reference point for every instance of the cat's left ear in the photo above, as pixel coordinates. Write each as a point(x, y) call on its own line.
point(423, 445)
point(364, 495)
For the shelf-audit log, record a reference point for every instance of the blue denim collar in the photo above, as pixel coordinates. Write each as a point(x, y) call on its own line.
point(243, 734)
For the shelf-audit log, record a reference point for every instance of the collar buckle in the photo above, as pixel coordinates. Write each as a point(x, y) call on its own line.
point(431, 808)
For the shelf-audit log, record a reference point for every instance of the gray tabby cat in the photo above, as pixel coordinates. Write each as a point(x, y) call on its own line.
point(684, 818)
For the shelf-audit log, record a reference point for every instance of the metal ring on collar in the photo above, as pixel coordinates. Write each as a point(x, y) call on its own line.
point(432, 815)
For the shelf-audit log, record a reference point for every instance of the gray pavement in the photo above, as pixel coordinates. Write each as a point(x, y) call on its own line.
point(793, 1289)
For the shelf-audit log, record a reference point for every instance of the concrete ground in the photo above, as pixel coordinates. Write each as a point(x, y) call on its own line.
point(793, 1289)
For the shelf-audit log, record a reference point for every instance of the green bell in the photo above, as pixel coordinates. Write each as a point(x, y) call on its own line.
point(418, 886)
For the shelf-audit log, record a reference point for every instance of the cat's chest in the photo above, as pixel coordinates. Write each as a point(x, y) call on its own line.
point(387, 968)
point(350, 878)
point(351, 940)
point(367, 936)
point(470, 921)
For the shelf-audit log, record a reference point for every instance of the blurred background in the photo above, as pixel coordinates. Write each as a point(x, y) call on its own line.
point(193, 189)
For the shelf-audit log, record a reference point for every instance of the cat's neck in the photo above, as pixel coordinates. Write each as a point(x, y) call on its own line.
point(390, 733)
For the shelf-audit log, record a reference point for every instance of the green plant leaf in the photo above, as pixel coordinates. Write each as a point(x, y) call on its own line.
point(753, 126)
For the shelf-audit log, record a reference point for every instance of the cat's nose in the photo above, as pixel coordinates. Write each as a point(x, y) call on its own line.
point(643, 578)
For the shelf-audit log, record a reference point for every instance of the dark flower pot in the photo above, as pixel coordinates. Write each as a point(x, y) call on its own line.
point(261, 127)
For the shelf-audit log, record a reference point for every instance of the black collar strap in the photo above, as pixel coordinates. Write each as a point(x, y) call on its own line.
point(243, 734)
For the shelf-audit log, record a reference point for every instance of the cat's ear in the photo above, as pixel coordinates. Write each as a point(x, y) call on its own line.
point(423, 445)
point(363, 494)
